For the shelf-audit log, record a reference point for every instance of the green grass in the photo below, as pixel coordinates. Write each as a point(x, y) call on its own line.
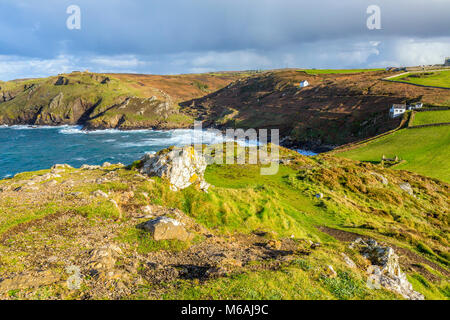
point(430, 117)
point(335, 71)
point(141, 240)
point(436, 79)
point(424, 150)
point(103, 209)
point(9, 218)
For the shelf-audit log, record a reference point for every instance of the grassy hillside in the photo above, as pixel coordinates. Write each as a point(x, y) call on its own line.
point(437, 79)
point(259, 227)
point(424, 150)
point(105, 100)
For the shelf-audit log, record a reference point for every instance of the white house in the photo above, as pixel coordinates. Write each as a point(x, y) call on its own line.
point(397, 110)
point(414, 106)
point(304, 84)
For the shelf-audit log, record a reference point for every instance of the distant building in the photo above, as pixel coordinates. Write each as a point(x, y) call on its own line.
point(414, 106)
point(447, 62)
point(304, 84)
point(397, 110)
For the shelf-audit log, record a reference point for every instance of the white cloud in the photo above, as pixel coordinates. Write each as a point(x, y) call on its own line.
point(121, 61)
point(339, 53)
point(421, 52)
point(12, 67)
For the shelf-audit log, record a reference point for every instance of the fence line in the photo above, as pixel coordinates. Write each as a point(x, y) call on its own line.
point(430, 125)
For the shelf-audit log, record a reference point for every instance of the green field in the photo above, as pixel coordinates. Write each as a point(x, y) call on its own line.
point(333, 71)
point(424, 150)
point(435, 79)
point(430, 117)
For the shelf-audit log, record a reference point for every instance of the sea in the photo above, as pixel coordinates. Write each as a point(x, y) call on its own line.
point(27, 148)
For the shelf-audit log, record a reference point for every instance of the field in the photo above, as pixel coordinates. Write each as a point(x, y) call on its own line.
point(430, 117)
point(337, 71)
point(436, 79)
point(424, 150)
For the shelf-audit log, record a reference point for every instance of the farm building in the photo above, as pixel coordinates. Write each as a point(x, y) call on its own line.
point(447, 62)
point(304, 84)
point(397, 110)
point(414, 106)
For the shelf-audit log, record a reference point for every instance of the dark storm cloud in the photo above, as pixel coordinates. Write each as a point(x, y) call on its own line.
point(263, 33)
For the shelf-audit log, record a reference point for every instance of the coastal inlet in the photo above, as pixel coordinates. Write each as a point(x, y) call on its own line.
point(25, 148)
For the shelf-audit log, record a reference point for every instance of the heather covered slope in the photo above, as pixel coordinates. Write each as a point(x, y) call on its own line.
point(336, 108)
point(255, 237)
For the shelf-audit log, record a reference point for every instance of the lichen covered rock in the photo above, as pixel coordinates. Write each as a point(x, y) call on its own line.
point(385, 269)
point(164, 228)
point(181, 166)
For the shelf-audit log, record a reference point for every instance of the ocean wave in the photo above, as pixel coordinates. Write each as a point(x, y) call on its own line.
point(72, 130)
point(33, 127)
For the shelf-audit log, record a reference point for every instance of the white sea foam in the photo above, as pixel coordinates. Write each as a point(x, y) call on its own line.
point(306, 152)
point(72, 130)
point(32, 127)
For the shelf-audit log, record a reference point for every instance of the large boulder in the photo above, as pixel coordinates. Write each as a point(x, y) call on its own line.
point(164, 228)
point(181, 166)
point(405, 186)
point(385, 269)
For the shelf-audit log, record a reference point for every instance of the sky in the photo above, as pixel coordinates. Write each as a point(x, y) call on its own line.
point(193, 36)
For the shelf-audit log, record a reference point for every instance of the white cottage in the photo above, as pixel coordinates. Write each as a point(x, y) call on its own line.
point(304, 84)
point(397, 110)
point(415, 106)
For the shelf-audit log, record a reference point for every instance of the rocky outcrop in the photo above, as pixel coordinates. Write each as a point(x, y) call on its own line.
point(165, 228)
point(181, 166)
point(61, 81)
point(380, 178)
point(407, 188)
point(6, 96)
point(100, 78)
point(100, 194)
point(385, 269)
point(102, 262)
point(29, 280)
